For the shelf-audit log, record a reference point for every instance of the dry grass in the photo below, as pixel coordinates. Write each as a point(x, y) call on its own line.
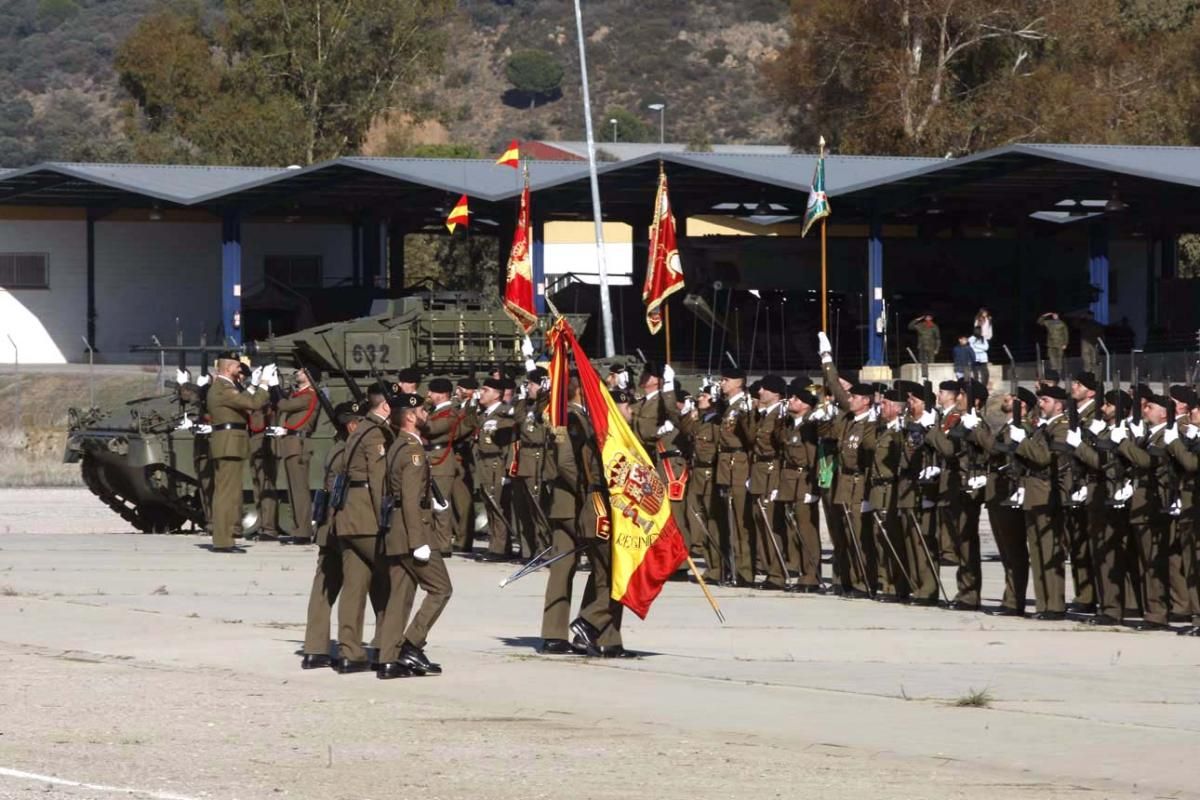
point(974, 699)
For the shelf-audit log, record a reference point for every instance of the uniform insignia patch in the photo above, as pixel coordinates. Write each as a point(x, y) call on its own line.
point(382, 450)
point(416, 459)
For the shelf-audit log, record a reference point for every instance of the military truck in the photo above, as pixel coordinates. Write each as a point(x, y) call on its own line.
point(136, 459)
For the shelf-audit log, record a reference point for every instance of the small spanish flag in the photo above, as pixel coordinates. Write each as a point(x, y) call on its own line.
point(512, 155)
point(460, 215)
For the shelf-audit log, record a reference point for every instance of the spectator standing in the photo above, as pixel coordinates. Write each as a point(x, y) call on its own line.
point(964, 359)
point(979, 352)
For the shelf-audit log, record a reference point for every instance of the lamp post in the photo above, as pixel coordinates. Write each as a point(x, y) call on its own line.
point(661, 108)
point(613, 121)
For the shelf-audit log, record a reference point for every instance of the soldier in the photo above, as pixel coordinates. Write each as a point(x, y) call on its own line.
point(462, 496)
point(929, 338)
point(327, 581)
point(882, 501)
point(410, 549)
point(733, 471)
point(1057, 336)
point(702, 427)
point(1143, 446)
point(1081, 511)
point(796, 440)
point(441, 430)
point(1006, 517)
point(264, 468)
point(229, 406)
point(653, 423)
point(764, 480)
point(298, 417)
point(357, 521)
point(1090, 332)
point(623, 399)
point(1185, 449)
point(408, 380)
point(532, 446)
point(914, 503)
point(493, 436)
point(195, 418)
point(855, 432)
point(1044, 484)
point(1107, 509)
point(1182, 469)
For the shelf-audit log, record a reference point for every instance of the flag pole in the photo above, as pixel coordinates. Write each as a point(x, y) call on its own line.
point(610, 348)
point(653, 257)
point(712, 601)
point(824, 274)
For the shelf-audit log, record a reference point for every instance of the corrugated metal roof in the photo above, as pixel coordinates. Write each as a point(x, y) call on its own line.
point(624, 151)
point(171, 182)
point(1173, 164)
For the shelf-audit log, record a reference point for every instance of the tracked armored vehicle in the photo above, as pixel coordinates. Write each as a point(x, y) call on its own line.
point(135, 459)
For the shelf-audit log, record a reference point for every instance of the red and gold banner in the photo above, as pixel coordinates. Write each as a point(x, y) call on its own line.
point(518, 282)
point(647, 547)
point(459, 215)
point(511, 156)
point(664, 273)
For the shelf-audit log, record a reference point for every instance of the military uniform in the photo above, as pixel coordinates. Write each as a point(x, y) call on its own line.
point(1149, 516)
point(916, 510)
point(599, 614)
point(1057, 338)
point(650, 417)
point(462, 499)
point(1080, 515)
point(409, 532)
point(358, 528)
point(1107, 518)
point(764, 479)
point(929, 339)
point(957, 514)
point(703, 511)
point(1007, 520)
point(192, 396)
point(443, 430)
point(531, 451)
point(229, 407)
point(796, 441)
point(733, 470)
point(298, 416)
point(569, 492)
point(493, 436)
point(1045, 482)
point(855, 436)
point(884, 511)
point(264, 473)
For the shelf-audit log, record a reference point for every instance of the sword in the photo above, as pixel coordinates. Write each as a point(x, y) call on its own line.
point(891, 547)
point(536, 563)
point(862, 559)
point(732, 522)
point(491, 501)
point(541, 516)
point(762, 510)
point(715, 542)
point(790, 517)
point(937, 575)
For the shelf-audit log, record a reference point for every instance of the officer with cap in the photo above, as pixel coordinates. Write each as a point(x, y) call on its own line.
point(1181, 439)
point(1057, 338)
point(881, 500)
point(229, 407)
point(914, 495)
point(796, 440)
point(441, 430)
point(929, 338)
point(493, 437)
point(532, 442)
point(855, 431)
point(733, 471)
point(702, 427)
point(264, 465)
point(654, 422)
point(357, 521)
point(1083, 511)
point(462, 496)
point(298, 414)
point(961, 484)
point(1045, 483)
point(764, 479)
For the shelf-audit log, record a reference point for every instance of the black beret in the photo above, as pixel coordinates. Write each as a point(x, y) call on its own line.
point(863, 390)
point(651, 369)
point(754, 387)
point(733, 372)
point(950, 386)
point(314, 373)
point(1053, 392)
point(1143, 391)
point(622, 396)
point(406, 400)
point(892, 395)
point(244, 369)
point(1027, 398)
point(1087, 380)
point(773, 383)
point(508, 384)
point(1121, 400)
point(441, 385)
point(909, 387)
point(1158, 399)
point(468, 382)
point(536, 375)
point(977, 391)
point(494, 383)
point(681, 394)
point(382, 389)
point(347, 412)
point(409, 375)
point(1184, 394)
point(1051, 375)
point(615, 369)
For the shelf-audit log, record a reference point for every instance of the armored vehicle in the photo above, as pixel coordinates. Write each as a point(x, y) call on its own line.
point(141, 464)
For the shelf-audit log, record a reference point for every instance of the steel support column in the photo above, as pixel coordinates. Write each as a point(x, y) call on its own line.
point(1098, 269)
point(231, 274)
point(875, 340)
point(91, 277)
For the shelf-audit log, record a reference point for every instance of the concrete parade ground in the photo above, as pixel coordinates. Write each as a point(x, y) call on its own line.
point(145, 667)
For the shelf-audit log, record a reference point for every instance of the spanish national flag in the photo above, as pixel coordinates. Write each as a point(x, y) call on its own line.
point(459, 215)
point(512, 155)
point(647, 547)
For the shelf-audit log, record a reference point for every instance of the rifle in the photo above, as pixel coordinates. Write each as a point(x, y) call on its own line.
point(770, 534)
point(925, 382)
point(1136, 406)
point(203, 353)
point(356, 390)
point(883, 533)
point(1017, 412)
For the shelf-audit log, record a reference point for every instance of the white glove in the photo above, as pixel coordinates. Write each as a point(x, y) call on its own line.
point(505, 481)
point(1097, 427)
point(1123, 494)
point(271, 375)
point(867, 508)
point(970, 421)
point(203, 429)
point(932, 472)
point(182, 376)
point(1118, 434)
point(716, 388)
point(256, 376)
point(1074, 437)
point(927, 420)
point(872, 414)
point(1079, 495)
point(1176, 508)
point(1170, 434)
point(622, 380)
point(747, 484)
point(665, 428)
point(422, 553)
point(527, 348)
point(925, 504)
point(688, 407)
point(1018, 497)
point(1192, 432)
point(977, 482)
point(440, 508)
point(277, 431)
point(809, 499)
point(668, 377)
point(545, 384)
point(823, 345)
point(1016, 434)
point(894, 425)
point(203, 380)
point(771, 497)
point(1137, 429)
point(184, 424)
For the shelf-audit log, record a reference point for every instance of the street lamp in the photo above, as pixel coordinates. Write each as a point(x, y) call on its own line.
point(613, 121)
point(661, 109)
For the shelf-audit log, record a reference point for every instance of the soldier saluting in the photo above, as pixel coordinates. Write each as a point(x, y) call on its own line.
point(229, 407)
point(494, 426)
point(298, 416)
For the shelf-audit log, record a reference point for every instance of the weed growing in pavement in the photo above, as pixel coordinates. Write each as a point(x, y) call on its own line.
point(974, 699)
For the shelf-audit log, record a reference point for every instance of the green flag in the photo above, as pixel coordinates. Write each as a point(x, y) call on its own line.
point(818, 202)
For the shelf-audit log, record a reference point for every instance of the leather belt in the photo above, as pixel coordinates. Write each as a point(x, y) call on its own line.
point(725, 450)
point(697, 465)
point(851, 473)
point(757, 459)
point(670, 454)
point(796, 467)
point(358, 484)
point(230, 426)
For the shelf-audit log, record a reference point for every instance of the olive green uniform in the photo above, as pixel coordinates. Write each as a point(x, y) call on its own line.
point(228, 408)
point(649, 416)
point(796, 440)
point(957, 514)
point(733, 470)
point(1186, 453)
point(916, 510)
point(264, 472)
point(885, 472)
point(701, 503)
point(1149, 518)
point(462, 500)
point(598, 608)
point(1057, 337)
point(1108, 521)
point(493, 439)
point(442, 431)
point(1046, 482)
point(358, 528)
point(410, 528)
point(855, 437)
point(1081, 518)
point(1007, 520)
point(929, 339)
point(298, 416)
point(764, 479)
point(192, 396)
point(532, 437)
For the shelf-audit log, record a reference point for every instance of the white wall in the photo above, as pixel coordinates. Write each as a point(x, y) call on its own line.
point(149, 273)
point(46, 324)
point(331, 241)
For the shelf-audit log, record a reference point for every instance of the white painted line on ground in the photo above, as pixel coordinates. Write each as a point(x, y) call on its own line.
point(33, 776)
